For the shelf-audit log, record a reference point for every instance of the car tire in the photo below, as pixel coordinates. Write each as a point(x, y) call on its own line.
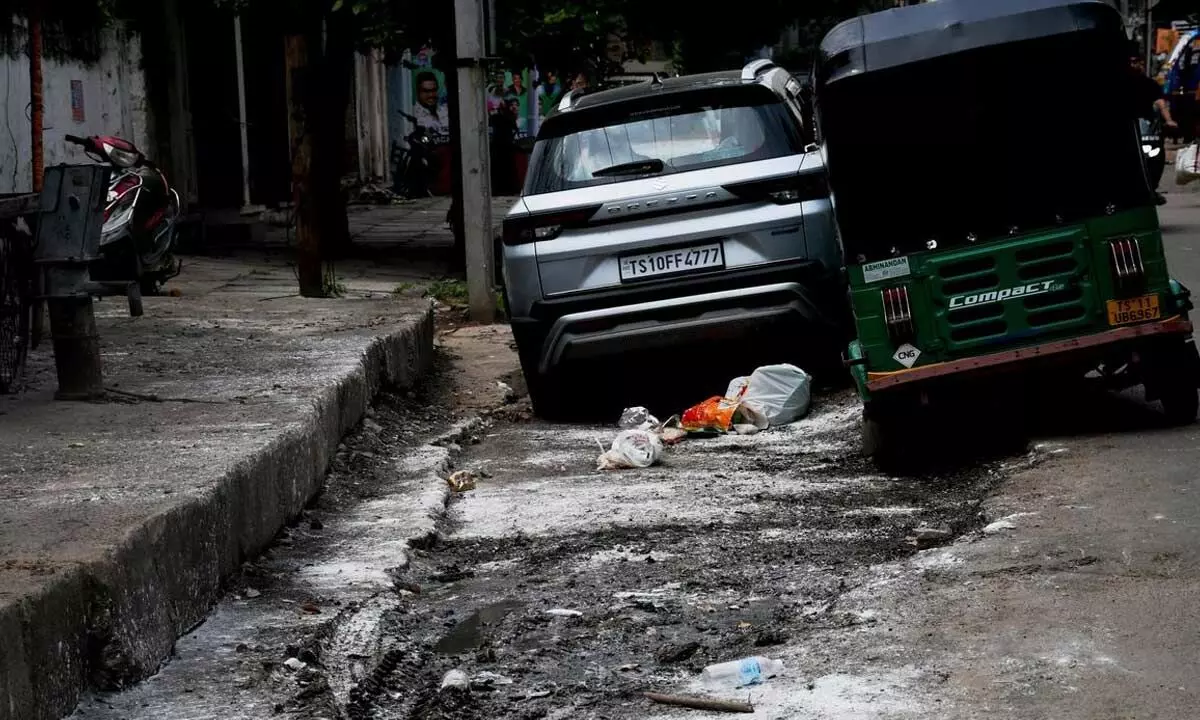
point(548, 396)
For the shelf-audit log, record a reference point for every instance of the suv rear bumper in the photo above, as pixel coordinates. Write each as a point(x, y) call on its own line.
point(792, 298)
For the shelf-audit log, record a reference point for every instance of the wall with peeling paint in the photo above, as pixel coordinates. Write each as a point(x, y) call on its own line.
point(114, 103)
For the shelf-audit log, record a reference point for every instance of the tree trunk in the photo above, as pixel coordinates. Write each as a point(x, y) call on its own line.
point(309, 266)
point(328, 108)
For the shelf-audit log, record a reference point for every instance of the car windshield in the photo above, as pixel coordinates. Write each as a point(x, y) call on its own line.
point(683, 136)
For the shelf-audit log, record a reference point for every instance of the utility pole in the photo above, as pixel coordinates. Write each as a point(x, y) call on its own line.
point(36, 104)
point(476, 179)
point(241, 88)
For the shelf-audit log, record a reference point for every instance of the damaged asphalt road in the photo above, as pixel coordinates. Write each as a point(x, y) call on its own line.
point(559, 590)
point(565, 592)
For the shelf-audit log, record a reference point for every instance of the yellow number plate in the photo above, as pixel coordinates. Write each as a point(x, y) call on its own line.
point(1138, 309)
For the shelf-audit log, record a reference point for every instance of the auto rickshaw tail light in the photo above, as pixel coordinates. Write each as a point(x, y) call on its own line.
point(897, 313)
point(1128, 269)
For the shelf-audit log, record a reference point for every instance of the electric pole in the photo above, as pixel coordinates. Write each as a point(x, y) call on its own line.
point(473, 164)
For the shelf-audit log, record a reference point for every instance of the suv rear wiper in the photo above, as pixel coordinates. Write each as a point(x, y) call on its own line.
point(638, 167)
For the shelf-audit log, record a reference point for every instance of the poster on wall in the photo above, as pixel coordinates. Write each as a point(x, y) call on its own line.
point(516, 100)
point(431, 108)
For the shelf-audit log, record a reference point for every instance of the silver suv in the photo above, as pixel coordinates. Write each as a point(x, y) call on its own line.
point(670, 211)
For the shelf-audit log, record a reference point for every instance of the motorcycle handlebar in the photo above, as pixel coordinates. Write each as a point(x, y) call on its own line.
point(75, 139)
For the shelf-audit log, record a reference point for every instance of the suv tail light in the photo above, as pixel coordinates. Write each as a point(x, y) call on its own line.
point(545, 226)
point(786, 190)
point(897, 314)
point(1128, 269)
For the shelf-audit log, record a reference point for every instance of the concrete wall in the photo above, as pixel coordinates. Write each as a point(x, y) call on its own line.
point(114, 103)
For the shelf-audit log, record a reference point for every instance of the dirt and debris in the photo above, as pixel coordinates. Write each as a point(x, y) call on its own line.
point(553, 590)
point(461, 481)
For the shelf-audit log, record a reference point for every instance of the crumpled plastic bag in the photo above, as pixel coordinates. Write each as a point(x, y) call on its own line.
point(715, 413)
point(723, 414)
point(1187, 164)
point(632, 449)
point(774, 394)
point(637, 418)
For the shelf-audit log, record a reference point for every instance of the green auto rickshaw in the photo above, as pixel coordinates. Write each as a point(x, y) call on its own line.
point(994, 208)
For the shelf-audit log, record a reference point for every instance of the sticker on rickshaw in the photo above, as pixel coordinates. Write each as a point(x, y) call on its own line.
point(886, 269)
point(907, 355)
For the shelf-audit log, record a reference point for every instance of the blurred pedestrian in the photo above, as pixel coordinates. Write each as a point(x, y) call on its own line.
point(503, 150)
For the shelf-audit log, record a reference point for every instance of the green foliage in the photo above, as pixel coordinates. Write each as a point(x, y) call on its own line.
point(575, 34)
point(448, 291)
point(566, 35)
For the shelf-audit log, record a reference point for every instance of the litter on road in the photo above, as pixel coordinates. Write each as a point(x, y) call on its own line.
point(563, 612)
point(999, 526)
point(455, 680)
point(772, 395)
point(637, 418)
point(632, 449)
point(740, 673)
point(696, 703)
point(461, 481)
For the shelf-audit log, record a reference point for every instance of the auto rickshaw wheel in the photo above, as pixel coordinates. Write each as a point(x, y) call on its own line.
point(1176, 384)
point(880, 435)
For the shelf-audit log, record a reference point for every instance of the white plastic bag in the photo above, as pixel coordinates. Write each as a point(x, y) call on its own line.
point(637, 418)
point(1187, 164)
point(632, 449)
point(780, 394)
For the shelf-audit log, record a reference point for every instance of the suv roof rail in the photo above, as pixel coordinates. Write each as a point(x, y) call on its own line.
point(757, 67)
point(567, 98)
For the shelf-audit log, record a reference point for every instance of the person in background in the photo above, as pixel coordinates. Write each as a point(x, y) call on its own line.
point(503, 149)
point(495, 92)
point(1148, 100)
point(580, 82)
point(549, 92)
point(428, 110)
point(518, 85)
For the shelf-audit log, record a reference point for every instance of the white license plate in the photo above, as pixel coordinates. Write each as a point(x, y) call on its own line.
point(671, 262)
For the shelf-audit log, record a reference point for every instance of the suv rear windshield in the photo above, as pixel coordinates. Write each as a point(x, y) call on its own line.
point(685, 131)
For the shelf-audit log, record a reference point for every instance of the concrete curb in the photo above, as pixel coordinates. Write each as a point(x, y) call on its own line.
point(111, 622)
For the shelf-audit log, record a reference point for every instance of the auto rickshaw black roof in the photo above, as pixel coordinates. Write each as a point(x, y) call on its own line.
point(959, 121)
point(905, 35)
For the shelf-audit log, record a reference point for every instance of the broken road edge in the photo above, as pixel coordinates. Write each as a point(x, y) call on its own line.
point(111, 621)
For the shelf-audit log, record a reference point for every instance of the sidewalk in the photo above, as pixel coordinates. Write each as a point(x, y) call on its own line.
point(119, 520)
point(410, 226)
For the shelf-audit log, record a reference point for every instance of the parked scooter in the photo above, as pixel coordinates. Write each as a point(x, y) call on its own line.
point(140, 216)
point(414, 164)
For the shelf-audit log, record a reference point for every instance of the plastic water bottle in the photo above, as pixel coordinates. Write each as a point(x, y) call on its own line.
point(736, 673)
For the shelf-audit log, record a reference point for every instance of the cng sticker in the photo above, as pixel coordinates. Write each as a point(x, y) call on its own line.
point(907, 355)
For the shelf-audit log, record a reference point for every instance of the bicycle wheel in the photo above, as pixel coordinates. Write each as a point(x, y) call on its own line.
point(14, 305)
